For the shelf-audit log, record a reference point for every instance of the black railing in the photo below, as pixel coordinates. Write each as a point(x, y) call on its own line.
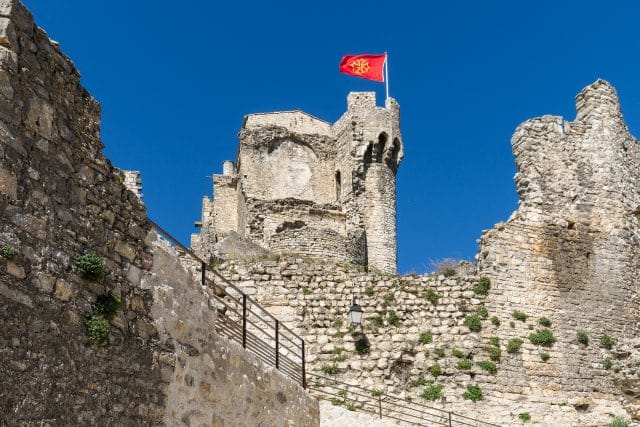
point(356, 398)
point(241, 319)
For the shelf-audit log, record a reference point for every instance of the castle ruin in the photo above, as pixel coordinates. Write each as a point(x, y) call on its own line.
point(302, 185)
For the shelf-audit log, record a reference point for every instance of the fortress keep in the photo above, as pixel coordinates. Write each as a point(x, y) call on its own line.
point(302, 185)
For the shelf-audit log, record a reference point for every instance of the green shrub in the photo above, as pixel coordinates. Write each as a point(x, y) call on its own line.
point(418, 382)
point(544, 321)
point(107, 305)
point(582, 338)
point(524, 417)
point(448, 272)
point(482, 286)
point(495, 320)
point(607, 363)
point(369, 291)
point(337, 323)
point(519, 315)
point(431, 296)
point(494, 341)
point(363, 346)
point(606, 342)
point(619, 422)
point(336, 401)
point(330, 369)
point(543, 337)
point(514, 345)
point(342, 393)
point(7, 252)
point(473, 322)
point(432, 392)
point(435, 370)
point(378, 321)
point(488, 366)
point(89, 266)
point(439, 352)
point(98, 329)
point(473, 393)
point(425, 338)
point(393, 318)
point(350, 406)
point(457, 353)
point(339, 334)
point(306, 291)
point(483, 312)
point(376, 393)
point(495, 353)
point(464, 364)
point(544, 356)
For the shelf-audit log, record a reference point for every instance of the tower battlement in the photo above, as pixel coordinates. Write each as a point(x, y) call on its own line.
point(303, 185)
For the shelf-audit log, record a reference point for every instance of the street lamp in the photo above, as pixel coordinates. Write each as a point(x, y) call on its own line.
point(355, 314)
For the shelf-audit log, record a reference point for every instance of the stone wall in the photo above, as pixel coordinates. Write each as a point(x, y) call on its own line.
point(157, 361)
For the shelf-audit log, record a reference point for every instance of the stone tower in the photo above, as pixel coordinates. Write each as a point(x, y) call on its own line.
point(302, 185)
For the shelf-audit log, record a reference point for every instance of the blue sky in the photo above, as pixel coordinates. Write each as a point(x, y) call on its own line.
point(175, 79)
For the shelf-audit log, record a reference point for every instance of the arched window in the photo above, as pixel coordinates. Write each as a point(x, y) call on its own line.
point(338, 186)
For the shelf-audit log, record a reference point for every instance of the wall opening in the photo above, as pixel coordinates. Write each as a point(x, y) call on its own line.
point(382, 141)
point(338, 186)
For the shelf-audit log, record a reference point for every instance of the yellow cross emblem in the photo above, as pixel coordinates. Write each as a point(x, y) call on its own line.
point(360, 66)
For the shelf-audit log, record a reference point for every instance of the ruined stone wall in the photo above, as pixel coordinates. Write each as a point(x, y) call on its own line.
point(295, 121)
point(314, 298)
point(60, 198)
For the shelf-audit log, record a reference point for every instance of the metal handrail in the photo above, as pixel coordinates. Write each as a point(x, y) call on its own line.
point(386, 406)
point(245, 335)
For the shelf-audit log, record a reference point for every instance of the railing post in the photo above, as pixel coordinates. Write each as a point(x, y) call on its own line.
point(304, 372)
point(277, 344)
point(203, 266)
point(380, 405)
point(244, 321)
point(449, 419)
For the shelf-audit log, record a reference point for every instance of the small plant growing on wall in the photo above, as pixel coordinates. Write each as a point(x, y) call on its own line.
point(418, 382)
point(619, 422)
point(431, 296)
point(488, 366)
point(544, 356)
point(473, 323)
point(495, 353)
point(606, 342)
point(464, 364)
point(306, 291)
point(98, 329)
point(524, 417)
point(514, 345)
point(393, 318)
point(543, 337)
point(7, 252)
point(582, 338)
point(425, 338)
point(495, 321)
point(473, 393)
point(378, 321)
point(607, 364)
point(107, 305)
point(457, 353)
point(89, 266)
point(482, 286)
point(439, 352)
point(435, 370)
point(337, 323)
point(483, 312)
point(432, 392)
point(544, 321)
point(362, 346)
point(519, 315)
point(330, 369)
point(369, 291)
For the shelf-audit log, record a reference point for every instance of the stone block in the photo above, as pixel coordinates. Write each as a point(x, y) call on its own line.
point(8, 184)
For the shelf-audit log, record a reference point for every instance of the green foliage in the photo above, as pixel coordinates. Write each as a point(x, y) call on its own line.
point(439, 352)
point(544, 321)
point(619, 422)
point(431, 296)
point(483, 312)
point(337, 323)
point(495, 320)
point(425, 338)
point(512, 324)
point(446, 267)
point(389, 298)
point(89, 266)
point(342, 393)
point(448, 272)
point(107, 305)
point(306, 291)
point(378, 321)
point(339, 334)
point(7, 252)
point(544, 356)
point(519, 315)
point(369, 291)
point(393, 318)
point(606, 342)
point(350, 406)
point(543, 337)
point(494, 341)
point(464, 364)
point(98, 329)
point(473, 393)
point(336, 401)
point(514, 345)
point(376, 393)
point(582, 338)
point(473, 322)
point(363, 346)
point(482, 286)
point(435, 370)
point(457, 353)
point(495, 353)
point(330, 369)
point(607, 363)
point(432, 392)
point(488, 366)
point(418, 382)
point(524, 417)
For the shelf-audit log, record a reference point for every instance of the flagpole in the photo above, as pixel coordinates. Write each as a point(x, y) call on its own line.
point(386, 71)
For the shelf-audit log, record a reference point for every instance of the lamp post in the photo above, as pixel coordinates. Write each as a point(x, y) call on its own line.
point(355, 314)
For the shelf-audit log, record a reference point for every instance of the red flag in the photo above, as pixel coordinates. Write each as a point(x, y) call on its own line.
point(365, 66)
